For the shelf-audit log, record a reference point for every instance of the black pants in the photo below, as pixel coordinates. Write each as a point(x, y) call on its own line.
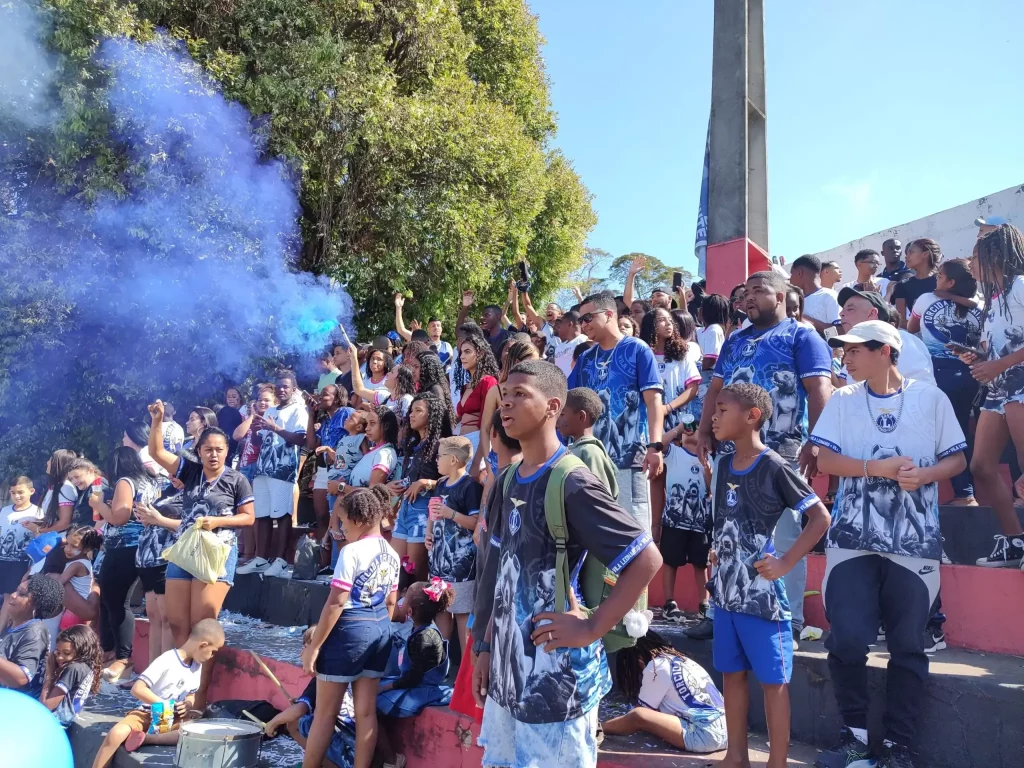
point(955, 380)
point(861, 589)
point(117, 623)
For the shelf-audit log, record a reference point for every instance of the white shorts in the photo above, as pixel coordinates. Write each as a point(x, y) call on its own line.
point(320, 479)
point(273, 498)
point(509, 743)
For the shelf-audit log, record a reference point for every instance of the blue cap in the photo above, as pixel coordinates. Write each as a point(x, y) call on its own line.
point(990, 221)
point(393, 335)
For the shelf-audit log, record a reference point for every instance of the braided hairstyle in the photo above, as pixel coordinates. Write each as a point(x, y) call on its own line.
point(675, 347)
point(630, 662)
point(367, 506)
point(86, 646)
point(91, 539)
point(433, 378)
point(421, 453)
point(1000, 259)
point(486, 365)
point(516, 351)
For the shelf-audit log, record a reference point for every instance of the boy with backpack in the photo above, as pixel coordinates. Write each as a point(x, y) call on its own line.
point(540, 690)
point(582, 409)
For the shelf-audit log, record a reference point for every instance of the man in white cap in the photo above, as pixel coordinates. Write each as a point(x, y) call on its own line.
point(891, 440)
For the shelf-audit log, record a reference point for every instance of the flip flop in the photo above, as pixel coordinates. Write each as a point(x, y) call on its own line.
point(134, 741)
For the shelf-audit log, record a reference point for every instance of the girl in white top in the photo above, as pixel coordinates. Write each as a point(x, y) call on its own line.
point(680, 377)
point(376, 467)
point(59, 502)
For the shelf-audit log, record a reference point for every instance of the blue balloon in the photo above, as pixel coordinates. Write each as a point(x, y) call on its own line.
point(30, 734)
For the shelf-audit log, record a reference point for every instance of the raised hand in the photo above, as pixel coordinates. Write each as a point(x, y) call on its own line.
point(156, 410)
point(399, 300)
point(638, 264)
point(467, 298)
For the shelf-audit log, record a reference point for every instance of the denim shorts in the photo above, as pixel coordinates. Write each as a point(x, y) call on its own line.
point(342, 749)
point(704, 737)
point(509, 743)
point(743, 642)
point(358, 645)
point(177, 573)
point(411, 523)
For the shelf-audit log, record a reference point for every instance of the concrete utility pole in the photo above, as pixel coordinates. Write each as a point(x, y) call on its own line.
point(738, 181)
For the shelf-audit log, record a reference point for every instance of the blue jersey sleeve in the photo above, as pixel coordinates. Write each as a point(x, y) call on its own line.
point(647, 375)
point(723, 357)
point(574, 374)
point(811, 353)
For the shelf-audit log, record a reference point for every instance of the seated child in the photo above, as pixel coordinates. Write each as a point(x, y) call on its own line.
point(174, 676)
point(681, 534)
point(72, 672)
point(24, 639)
point(678, 702)
point(582, 409)
point(454, 511)
point(15, 536)
point(81, 546)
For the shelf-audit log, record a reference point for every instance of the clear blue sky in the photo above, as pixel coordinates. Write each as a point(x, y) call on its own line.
point(879, 113)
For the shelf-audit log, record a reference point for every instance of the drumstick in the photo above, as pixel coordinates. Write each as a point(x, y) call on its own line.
point(255, 719)
point(271, 675)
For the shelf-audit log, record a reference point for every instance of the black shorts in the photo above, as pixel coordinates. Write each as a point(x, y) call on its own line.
point(153, 578)
point(679, 548)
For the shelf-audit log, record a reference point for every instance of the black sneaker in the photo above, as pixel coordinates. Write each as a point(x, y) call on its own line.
point(934, 640)
point(796, 639)
point(1007, 553)
point(703, 631)
point(671, 612)
point(850, 752)
point(895, 756)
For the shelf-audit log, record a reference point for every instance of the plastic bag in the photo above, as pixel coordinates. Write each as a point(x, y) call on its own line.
point(199, 552)
point(307, 559)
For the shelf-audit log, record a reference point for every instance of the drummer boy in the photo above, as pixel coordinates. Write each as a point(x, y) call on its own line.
point(174, 676)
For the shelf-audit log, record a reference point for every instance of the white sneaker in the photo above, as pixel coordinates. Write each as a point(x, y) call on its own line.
point(277, 568)
point(256, 565)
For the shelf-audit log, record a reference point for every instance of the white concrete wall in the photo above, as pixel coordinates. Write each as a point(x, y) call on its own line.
point(953, 229)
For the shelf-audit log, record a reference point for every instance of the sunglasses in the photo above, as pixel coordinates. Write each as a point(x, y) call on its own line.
point(589, 317)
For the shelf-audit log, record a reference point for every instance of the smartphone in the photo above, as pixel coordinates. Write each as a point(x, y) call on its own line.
point(962, 348)
point(523, 284)
point(677, 281)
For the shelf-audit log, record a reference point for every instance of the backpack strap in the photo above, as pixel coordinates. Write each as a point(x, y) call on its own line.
point(554, 514)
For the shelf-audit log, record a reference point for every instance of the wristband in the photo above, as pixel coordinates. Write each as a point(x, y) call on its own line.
point(481, 646)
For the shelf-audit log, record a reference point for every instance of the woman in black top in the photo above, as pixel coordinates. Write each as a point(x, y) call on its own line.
point(217, 497)
point(923, 256)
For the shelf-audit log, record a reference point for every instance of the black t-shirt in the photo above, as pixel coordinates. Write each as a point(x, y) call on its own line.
point(82, 514)
point(497, 342)
point(27, 645)
point(76, 682)
point(746, 507)
point(453, 555)
point(913, 288)
point(202, 498)
point(344, 381)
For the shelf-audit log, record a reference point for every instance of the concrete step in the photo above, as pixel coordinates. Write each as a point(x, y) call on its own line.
point(972, 715)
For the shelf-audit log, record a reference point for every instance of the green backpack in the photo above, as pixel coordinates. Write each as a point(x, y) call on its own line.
point(595, 580)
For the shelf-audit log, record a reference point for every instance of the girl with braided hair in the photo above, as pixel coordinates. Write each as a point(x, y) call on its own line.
point(998, 266)
point(432, 379)
point(352, 641)
point(419, 479)
point(678, 702)
point(478, 360)
point(516, 351)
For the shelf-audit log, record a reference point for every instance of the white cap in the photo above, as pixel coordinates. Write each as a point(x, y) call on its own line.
point(870, 330)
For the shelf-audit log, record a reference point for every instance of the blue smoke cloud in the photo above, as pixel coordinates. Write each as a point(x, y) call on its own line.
point(190, 276)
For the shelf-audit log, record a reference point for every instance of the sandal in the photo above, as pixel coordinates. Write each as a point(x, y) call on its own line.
point(117, 670)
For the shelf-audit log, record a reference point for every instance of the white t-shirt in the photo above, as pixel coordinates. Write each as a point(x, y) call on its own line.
point(822, 305)
point(694, 354)
point(68, 496)
point(681, 687)
point(915, 361)
point(444, 351)
point(170, 678)
point(676, 376)
point(173, 436)
point(368, 569)
point(277, 459)
point(14, 537)
point(564, 350)
point(883, 285)
point(941, 323)
point(711, 340)
point(925, 430)
point(400, 406)
point(1004, 335)
point(382, 457)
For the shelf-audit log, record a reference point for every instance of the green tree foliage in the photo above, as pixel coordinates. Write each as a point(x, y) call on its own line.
point(655, 273)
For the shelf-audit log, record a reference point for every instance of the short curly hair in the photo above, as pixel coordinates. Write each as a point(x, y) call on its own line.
point(47, 596)
point(366, 506)
point(752, 396)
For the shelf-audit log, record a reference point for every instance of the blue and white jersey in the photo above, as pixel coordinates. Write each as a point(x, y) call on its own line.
point(368, 569)
point(941, 323)
point(683, 688)
point(620, 376)
point(778, 359)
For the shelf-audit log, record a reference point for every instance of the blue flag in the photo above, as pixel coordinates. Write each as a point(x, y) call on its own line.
point(700, 246)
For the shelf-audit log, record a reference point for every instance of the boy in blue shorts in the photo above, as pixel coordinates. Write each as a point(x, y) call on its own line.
point(750, 490)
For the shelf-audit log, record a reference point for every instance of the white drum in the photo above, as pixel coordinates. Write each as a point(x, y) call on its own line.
point(218, 744)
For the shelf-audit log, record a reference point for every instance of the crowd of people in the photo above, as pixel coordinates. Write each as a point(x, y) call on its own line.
point(473, 492)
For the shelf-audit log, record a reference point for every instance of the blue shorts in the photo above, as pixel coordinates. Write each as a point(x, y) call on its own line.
point(743, 642)
point(411, 523)
point(704, 737)
point(342, 749)
point(359, 645)
point(175, 572)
